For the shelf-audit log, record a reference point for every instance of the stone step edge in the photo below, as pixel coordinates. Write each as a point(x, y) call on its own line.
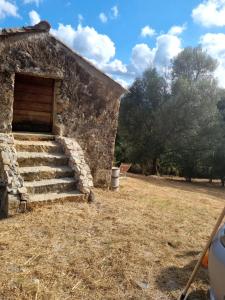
point(47, 182)
point(40, 155)
point(45, 172)
point(33, 136)
point(40, 169)
point(48, 198)
point(36, 143)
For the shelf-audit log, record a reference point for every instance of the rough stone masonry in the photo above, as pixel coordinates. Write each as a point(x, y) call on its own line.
point(85, 110)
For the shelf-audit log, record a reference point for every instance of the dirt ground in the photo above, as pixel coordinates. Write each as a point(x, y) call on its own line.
point(139, 243)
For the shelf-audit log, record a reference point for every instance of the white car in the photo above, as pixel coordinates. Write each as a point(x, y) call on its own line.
point(216, 266)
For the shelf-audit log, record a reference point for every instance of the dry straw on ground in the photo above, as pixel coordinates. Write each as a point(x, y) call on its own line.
point(139, 243)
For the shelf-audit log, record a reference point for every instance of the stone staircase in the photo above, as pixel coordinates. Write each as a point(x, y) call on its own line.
point(45, 170)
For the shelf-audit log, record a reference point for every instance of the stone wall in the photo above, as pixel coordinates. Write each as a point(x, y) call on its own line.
point(12, 192)
point(6, 100)
point(82, 172)
point(86, 101)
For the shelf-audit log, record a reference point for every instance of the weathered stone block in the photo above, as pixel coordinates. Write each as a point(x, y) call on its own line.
point(23, 206)
point(13, 204)
point(78, 164)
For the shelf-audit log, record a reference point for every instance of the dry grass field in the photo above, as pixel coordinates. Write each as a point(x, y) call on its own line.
point(139, 243)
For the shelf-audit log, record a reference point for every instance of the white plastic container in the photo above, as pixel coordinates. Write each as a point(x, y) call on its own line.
point(115, 180)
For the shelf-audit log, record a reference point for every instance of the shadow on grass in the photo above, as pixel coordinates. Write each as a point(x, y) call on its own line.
point(188, 253)
point(175, 278)
point(198, 295)
point(2, 216)
point(214, 189)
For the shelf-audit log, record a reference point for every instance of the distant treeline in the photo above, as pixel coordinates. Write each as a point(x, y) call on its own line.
point(175, 125)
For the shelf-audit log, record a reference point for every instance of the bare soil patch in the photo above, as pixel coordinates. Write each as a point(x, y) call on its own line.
point(139, 243)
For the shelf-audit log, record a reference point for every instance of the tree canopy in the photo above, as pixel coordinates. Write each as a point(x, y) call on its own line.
point(176, 125)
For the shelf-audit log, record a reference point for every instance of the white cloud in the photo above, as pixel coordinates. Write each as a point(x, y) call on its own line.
point(87, 41)
point(103, 17)
point(210, 13)
point(80, 19)
point(214, 44)
point(122, 82)
point(147, 31)
point(34, 17)
point(7, 8)
point(100, 50)
point(177, 30)
point(37, 2)
point(142, 57)
point(167, 47)
point(113, 14)
point(115, 11)
point(115, 67)
point(66, 33)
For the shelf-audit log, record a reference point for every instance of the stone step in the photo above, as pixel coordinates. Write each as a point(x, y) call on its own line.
point(28, 159)
point(38, 146)
point(27, 136)
point(50, 185)
point(45, 172)
point(73, 196)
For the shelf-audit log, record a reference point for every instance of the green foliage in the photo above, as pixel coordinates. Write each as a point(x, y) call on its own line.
point(193, 64)
point(138, 121)
point(176, 128)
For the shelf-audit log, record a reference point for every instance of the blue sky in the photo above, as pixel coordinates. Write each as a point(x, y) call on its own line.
point(124, 37)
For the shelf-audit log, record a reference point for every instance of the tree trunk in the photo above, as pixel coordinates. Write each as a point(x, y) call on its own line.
point(155, 170)
point(210, 175)
point(146, 168)
point(188, 179)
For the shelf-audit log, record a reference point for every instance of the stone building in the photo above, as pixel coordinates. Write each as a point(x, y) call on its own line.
point(48, 88)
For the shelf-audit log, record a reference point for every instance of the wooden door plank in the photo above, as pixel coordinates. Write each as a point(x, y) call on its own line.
point(28, 97)
point(33, 102)
point(33, 106)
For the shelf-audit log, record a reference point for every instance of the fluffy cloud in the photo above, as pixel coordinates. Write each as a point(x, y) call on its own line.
point(100, 50)
point(80, 18)
point(147, 31)
point(142, 57)
point(167, 47)
point(103, 17)
point(123, 82)
point(37, 2)
point(214, 44)
point(115, 67)
point(177, 30)
point(115, 11)
point(97, 48)
point(7, 8)
point(113, 14)
point(34, 17)
point(210, 13)
point(87, 41)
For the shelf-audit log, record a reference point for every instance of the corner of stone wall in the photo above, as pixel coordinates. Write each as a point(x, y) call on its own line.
point(82, 172)
point(102, 178)
point(12, 192)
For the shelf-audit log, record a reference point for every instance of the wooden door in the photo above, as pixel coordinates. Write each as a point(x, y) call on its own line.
point(33, 103)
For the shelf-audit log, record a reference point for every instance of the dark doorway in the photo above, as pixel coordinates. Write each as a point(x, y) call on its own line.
point(33, 103)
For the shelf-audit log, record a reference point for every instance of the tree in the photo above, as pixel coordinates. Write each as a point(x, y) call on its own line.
point(218, 157)
point(192, 109)
point(193, 64)
point(139, 116)
point(178, 124)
